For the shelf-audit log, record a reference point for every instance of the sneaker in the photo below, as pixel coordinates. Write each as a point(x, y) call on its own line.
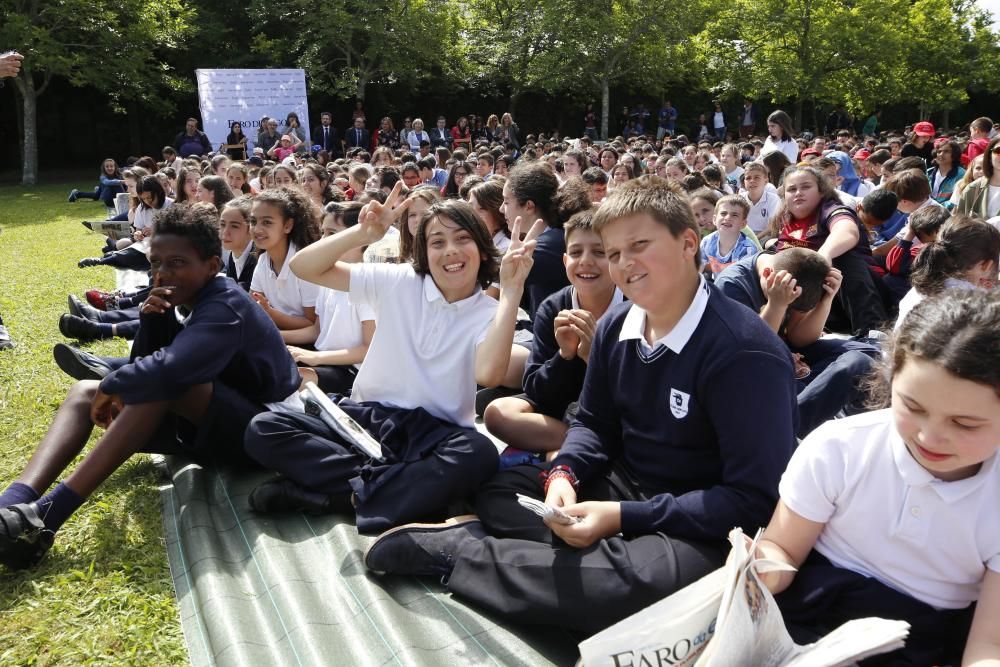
point(24, 539)
point(73, 195)
point(285, 495)
point(78, 364)
point(423, 549)
point(80, 328)
point(89, 261)
point(5, 342)
point(80, 309)
point(103, 300)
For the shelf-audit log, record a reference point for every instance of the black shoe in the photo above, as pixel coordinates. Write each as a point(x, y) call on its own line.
point(24, 539)
point(5, 342)
point(81, 309)
point(423, 549)
point(80, 328)
point(284, 495)
point(79, 364)
point(90, 261)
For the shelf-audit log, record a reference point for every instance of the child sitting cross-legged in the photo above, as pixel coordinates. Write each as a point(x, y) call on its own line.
point(727, 244)
point(564, 330)
point(206, 359)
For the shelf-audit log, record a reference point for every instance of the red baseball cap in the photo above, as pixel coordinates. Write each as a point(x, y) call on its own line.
point(862, 155)
point(924, 129)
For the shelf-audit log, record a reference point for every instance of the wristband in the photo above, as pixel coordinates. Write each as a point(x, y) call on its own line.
point(557, 472)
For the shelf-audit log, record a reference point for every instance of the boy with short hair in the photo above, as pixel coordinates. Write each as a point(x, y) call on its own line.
point(564, 328)
point(793, 294)
point(727, 244)
point(877, 212)
point(764, 203)
point(206, 360)
point(979, 139)
point(597, 179)
point(655, 448)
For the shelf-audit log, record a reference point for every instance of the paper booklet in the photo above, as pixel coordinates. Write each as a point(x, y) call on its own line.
point(319, 405)
point(546, 511)
point(728, 618)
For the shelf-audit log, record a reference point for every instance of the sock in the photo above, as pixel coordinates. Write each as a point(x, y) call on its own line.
point(18, 493)
point(58, 505)
point(105, 330)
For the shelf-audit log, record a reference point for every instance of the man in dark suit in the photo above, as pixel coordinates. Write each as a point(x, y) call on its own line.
point(357, 136)
point(326, 135)
point(441, 135)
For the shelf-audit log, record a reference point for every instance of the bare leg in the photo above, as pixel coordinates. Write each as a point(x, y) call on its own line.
point(513, 421)
point(68, 433)
point(308, 375)
point(132, 428)
point(515, 369)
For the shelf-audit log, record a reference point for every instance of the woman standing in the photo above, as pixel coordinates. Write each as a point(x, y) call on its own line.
point(386, 135)
point(982, 197)
point(236, 138)
point(509, 132)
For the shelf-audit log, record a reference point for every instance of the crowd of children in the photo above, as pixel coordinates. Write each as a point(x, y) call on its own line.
point(668, 338)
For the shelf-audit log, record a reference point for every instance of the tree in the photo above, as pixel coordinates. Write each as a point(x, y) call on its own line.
point(827, 51)
point(347, 44)
point(110, 45)
point(625, 43)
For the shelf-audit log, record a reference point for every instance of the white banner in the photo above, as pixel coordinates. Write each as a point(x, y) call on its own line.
point(245, 95)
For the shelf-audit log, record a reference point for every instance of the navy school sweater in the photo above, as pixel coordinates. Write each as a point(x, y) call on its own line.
point(227, 337)
point(550, 381)
point(706, 433)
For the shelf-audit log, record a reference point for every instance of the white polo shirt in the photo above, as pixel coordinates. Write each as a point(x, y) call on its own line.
point(424, 350)
point(762, 212)
point(340, 321)
point(285, 291)
point(888, 518)
point(634, 326)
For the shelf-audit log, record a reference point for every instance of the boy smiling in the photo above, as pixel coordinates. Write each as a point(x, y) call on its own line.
point(662, 467)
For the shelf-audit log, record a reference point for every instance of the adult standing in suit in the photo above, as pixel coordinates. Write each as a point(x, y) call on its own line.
point(326, 135)
point(441, 135)
point(357, 136)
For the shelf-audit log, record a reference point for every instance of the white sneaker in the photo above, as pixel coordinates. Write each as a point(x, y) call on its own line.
point(5, 342)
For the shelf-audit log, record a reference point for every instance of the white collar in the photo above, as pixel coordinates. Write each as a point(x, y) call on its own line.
point(432, 294)
point(915, 474)
point(616, 299)
point(634, 325)
point(285, 271)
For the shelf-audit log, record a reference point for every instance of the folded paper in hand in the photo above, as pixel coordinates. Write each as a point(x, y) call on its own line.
point(546, 511)
point(729, 618)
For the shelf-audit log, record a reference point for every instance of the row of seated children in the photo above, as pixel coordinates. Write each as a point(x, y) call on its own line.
point(677, 334)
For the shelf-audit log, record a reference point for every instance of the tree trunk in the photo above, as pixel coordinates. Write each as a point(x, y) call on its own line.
point(605, 105)
point(798, 115)
point(945, 119)
point(29, 106)
point(362, 84)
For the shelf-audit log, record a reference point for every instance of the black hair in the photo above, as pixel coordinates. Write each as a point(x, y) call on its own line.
point(961, 244)
point(461, 214)
point(152, 185)
point(536, 182)
point(198, 224)
point(809, 268)
point(296, 205)
point(880, 204)
point(221, 192)
point(928, 220)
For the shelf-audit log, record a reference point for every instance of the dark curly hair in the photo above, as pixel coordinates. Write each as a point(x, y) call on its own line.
point(294, 204)
point(199, 224)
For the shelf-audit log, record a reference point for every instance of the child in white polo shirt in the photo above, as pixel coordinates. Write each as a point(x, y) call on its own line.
point(438, 335)
point(764, 203)
point(894, 513)
point(282, 222)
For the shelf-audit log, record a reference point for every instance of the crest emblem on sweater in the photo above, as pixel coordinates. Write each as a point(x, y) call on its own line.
point(679, 403)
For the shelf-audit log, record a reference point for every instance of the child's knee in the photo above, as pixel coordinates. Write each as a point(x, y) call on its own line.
point(263, 434)
point(82, 392)
point(503, 410)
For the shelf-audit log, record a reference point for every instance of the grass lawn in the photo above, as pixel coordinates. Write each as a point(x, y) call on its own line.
point(103, 594)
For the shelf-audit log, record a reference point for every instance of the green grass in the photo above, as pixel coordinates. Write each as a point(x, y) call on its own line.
point(103, 594)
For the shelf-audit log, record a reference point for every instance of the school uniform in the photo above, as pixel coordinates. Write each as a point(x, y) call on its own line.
point(548, 274)
point(339, 329)
point(226, 340)
point(415, 393)
point(285, 291)
point(835, 365)
point(551, 383)
point(241, 269)
point(657, 432)
point(881, 510)
point(762, 212)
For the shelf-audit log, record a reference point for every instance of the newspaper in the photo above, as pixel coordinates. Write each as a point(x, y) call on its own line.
point(729, 618)
point(319, 404)
point(546, 511)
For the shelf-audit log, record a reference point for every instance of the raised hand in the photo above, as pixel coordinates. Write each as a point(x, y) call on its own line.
point(158, 301)
point(376, 218)
point(566, 338)
point(517, 261)
point(780, 287)
point(831, 284)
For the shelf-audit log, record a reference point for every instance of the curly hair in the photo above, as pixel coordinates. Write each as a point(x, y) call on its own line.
point(199, 224)
point(296, 206)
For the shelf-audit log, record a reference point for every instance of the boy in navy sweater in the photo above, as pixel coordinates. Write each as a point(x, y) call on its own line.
point(205, 361)
point(662, 465)
point(564, 329)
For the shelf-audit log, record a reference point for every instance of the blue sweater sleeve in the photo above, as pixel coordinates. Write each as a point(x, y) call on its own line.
point(595, 437)
point(196, 355)
point(753, 457)
point(550, 381)
point(110, 181)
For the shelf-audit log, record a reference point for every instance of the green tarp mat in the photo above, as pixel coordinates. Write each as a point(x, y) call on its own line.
point(293, 590)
